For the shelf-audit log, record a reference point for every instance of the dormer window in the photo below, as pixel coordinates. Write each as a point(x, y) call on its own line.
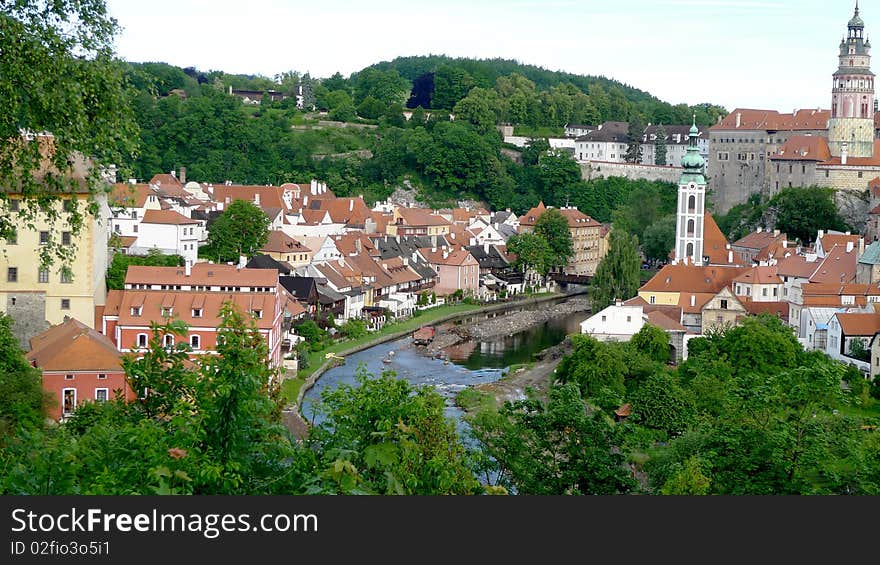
point(136, 310)
point(257, 314)
point(196, 312)
point(166, 311)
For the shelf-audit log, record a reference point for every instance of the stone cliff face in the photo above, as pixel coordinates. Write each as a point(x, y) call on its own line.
point(853, 207)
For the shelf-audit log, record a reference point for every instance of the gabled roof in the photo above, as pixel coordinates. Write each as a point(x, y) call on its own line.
point(858, 324)
point(715, 244)
point(300, 287)
point(530, 217)
point(857, 161)
point(73, 346)
point(838, 266)
point(662, 321)
point(455, 257)
point(260, 261)
point(829, 240)
point(577, 219)
point(421, 217)
point(796, 266)
point(210, 304)
point(168, 217)
point(759, 275)
point(127, 195)
point(166, 181)
point(355, 242)
point(871, 256)
point(758, 240)
point(779, 309)
point(280, 242)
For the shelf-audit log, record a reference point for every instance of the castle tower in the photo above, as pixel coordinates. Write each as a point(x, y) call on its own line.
point(691, 204)
point(852, 95)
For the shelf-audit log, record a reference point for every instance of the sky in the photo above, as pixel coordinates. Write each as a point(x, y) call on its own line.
point(768, 54)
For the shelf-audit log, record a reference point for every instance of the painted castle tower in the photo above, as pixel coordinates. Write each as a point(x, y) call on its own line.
point(851, 127)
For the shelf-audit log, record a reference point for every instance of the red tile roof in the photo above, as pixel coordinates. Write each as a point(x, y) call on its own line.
point(127, 195)
point(758, 240)
point(803, 148)
point(796, 266)
point(203, 274)
point(759, 275)
point(169, 217)
point(753, 119)
point(280, 242)
point(858, 161)
point(690, 278)
point(73, 346)
point(530, 217)
point(838, 266)
point(183, 302)
point(457, 257)
point(858, 324)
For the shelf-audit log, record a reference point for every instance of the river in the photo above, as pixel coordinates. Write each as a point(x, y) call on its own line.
point(469, 363)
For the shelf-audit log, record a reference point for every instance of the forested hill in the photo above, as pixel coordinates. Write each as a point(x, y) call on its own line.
point(611, 99)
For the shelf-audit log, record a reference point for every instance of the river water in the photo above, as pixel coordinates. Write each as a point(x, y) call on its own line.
point(469, 364)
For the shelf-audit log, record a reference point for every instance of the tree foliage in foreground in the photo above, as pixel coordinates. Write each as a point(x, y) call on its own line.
point(617, 277)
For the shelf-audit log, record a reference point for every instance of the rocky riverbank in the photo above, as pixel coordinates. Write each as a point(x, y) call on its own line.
point(503, 324)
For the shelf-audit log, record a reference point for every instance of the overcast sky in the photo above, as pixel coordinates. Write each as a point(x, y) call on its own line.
point(773, 54)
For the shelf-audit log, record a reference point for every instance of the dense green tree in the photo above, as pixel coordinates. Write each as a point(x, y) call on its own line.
point(560, 177)
point(383, 436)
point(451, 84)
point(23, 403)
point(802, 212)
point(653, 342)
point(370, 108)
point(660, 146)
point(341, 106)
point(532, 252)
point(634, 140)
point(662, 404)
point(659, 238)
point(475, 109)
point(241, 230)
point(644, 204)
point(617, 277)
point(388, 87)
point(60, 77)
point(552, 225)
point(598, 369)
point(558, 448)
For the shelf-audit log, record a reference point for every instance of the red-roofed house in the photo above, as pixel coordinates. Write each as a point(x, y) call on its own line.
point(844, 328)
point(417, 221)
point(455, 270)
point(282, 247)
point(759, 284)
point(170, 232)
point(586, 234)
point(78, 365)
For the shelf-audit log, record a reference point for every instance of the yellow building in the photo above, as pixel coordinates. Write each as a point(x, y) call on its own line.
point(588, 237)
point(36, 297)
point(417, 222)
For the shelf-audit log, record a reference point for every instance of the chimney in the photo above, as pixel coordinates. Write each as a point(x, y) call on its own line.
point(486, 248)
point(843, 153)
point(187, 268)
point(730, 257)
point(182, 175)
point(257, 198)
point(405, 261)
point(693, 300)
point(738, 118)
point(313, 187)
point(132, 181)
point(861, 245)
point(351, 204)
point(305, 200)
point(445, 253)
point(849, 246)
point(821, 234)
point(760, 229)
point(775, 233)
point(434, 241)
point(173, 174)
point(242, 261)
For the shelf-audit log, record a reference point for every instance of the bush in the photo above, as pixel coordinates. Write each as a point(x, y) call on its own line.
point(353, 329)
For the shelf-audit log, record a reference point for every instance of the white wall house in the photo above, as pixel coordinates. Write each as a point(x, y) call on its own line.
point(324, 247)
point(846, 327)
point(125, 218)
point(617, 322)
point(169, 232)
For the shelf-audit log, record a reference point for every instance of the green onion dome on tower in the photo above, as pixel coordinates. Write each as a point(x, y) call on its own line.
point(692, 162)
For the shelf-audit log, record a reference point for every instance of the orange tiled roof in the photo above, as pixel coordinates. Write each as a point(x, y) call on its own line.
point(690, 278)
point(758, 239)
point(280, 242)
point(421, 217)
point(778, 308)
point(796, 266)
point(715, 244)
point(661, 320)
point(73, 346)
point(530, 217)
point(759, 275)
point(169, 217)
point(183, 302)
point(858, 161)
point(803, 148)
point(754, 119)
point(838, 266)
point(456, 257)
point(204, 274)
point(859, 324)
point(127, 195)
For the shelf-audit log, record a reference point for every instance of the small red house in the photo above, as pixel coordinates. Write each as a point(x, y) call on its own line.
point(78, 364)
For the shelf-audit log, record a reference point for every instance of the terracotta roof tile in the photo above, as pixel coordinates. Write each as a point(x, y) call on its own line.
point(690, 278)
point(858, 324)
point(183, 302)
point(803, 148)
point(280, 242)
point(73, 346)
point(753, 119)
point(204, 274)
point(169, 217)
point(759, 275)
point(838, 266)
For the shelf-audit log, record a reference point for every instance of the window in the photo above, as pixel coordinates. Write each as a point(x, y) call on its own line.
point(68, 205)
point(603, 318)
point(102, 376)
point(44, 237)
point(134, 215)
point(12, 238)
point(134, 228)
point(860, 174)
point(13, 205)
point(68, 401)
point(723, 304)
point(65, 276)
point(136, 310)
point(65, 304)
point(652, 299)
point(775, 291)
point(763, 292)
point(258, 314)
point(65, 235)
point(166, 311)
point(169, 340)
point(629, 319)
point(197, 313)
point(142, 340)
point(68, 377)
point(12, 274)
point(100, 395)
point(195, 341)
point(43, 275)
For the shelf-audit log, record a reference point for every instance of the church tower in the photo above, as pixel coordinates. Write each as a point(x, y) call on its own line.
point(851, 127)
point(691, 204)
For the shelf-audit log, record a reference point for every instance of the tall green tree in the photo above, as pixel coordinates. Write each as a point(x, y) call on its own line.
point(59, 77)
point(659, 238)
point(634, 140)
point(802, 212)
point(552, 225)
point(242, 229)
point(451, 84)
point(660, 146)
point(617, 276)
point(532, 252)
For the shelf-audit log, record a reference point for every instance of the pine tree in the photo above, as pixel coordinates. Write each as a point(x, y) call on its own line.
point(660, 146)
point(634, 147)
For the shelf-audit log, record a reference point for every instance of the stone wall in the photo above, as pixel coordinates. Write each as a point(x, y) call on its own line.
point(28, 311)
point(603, 169)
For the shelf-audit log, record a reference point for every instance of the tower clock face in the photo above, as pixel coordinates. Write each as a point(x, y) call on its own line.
point(692, 185)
